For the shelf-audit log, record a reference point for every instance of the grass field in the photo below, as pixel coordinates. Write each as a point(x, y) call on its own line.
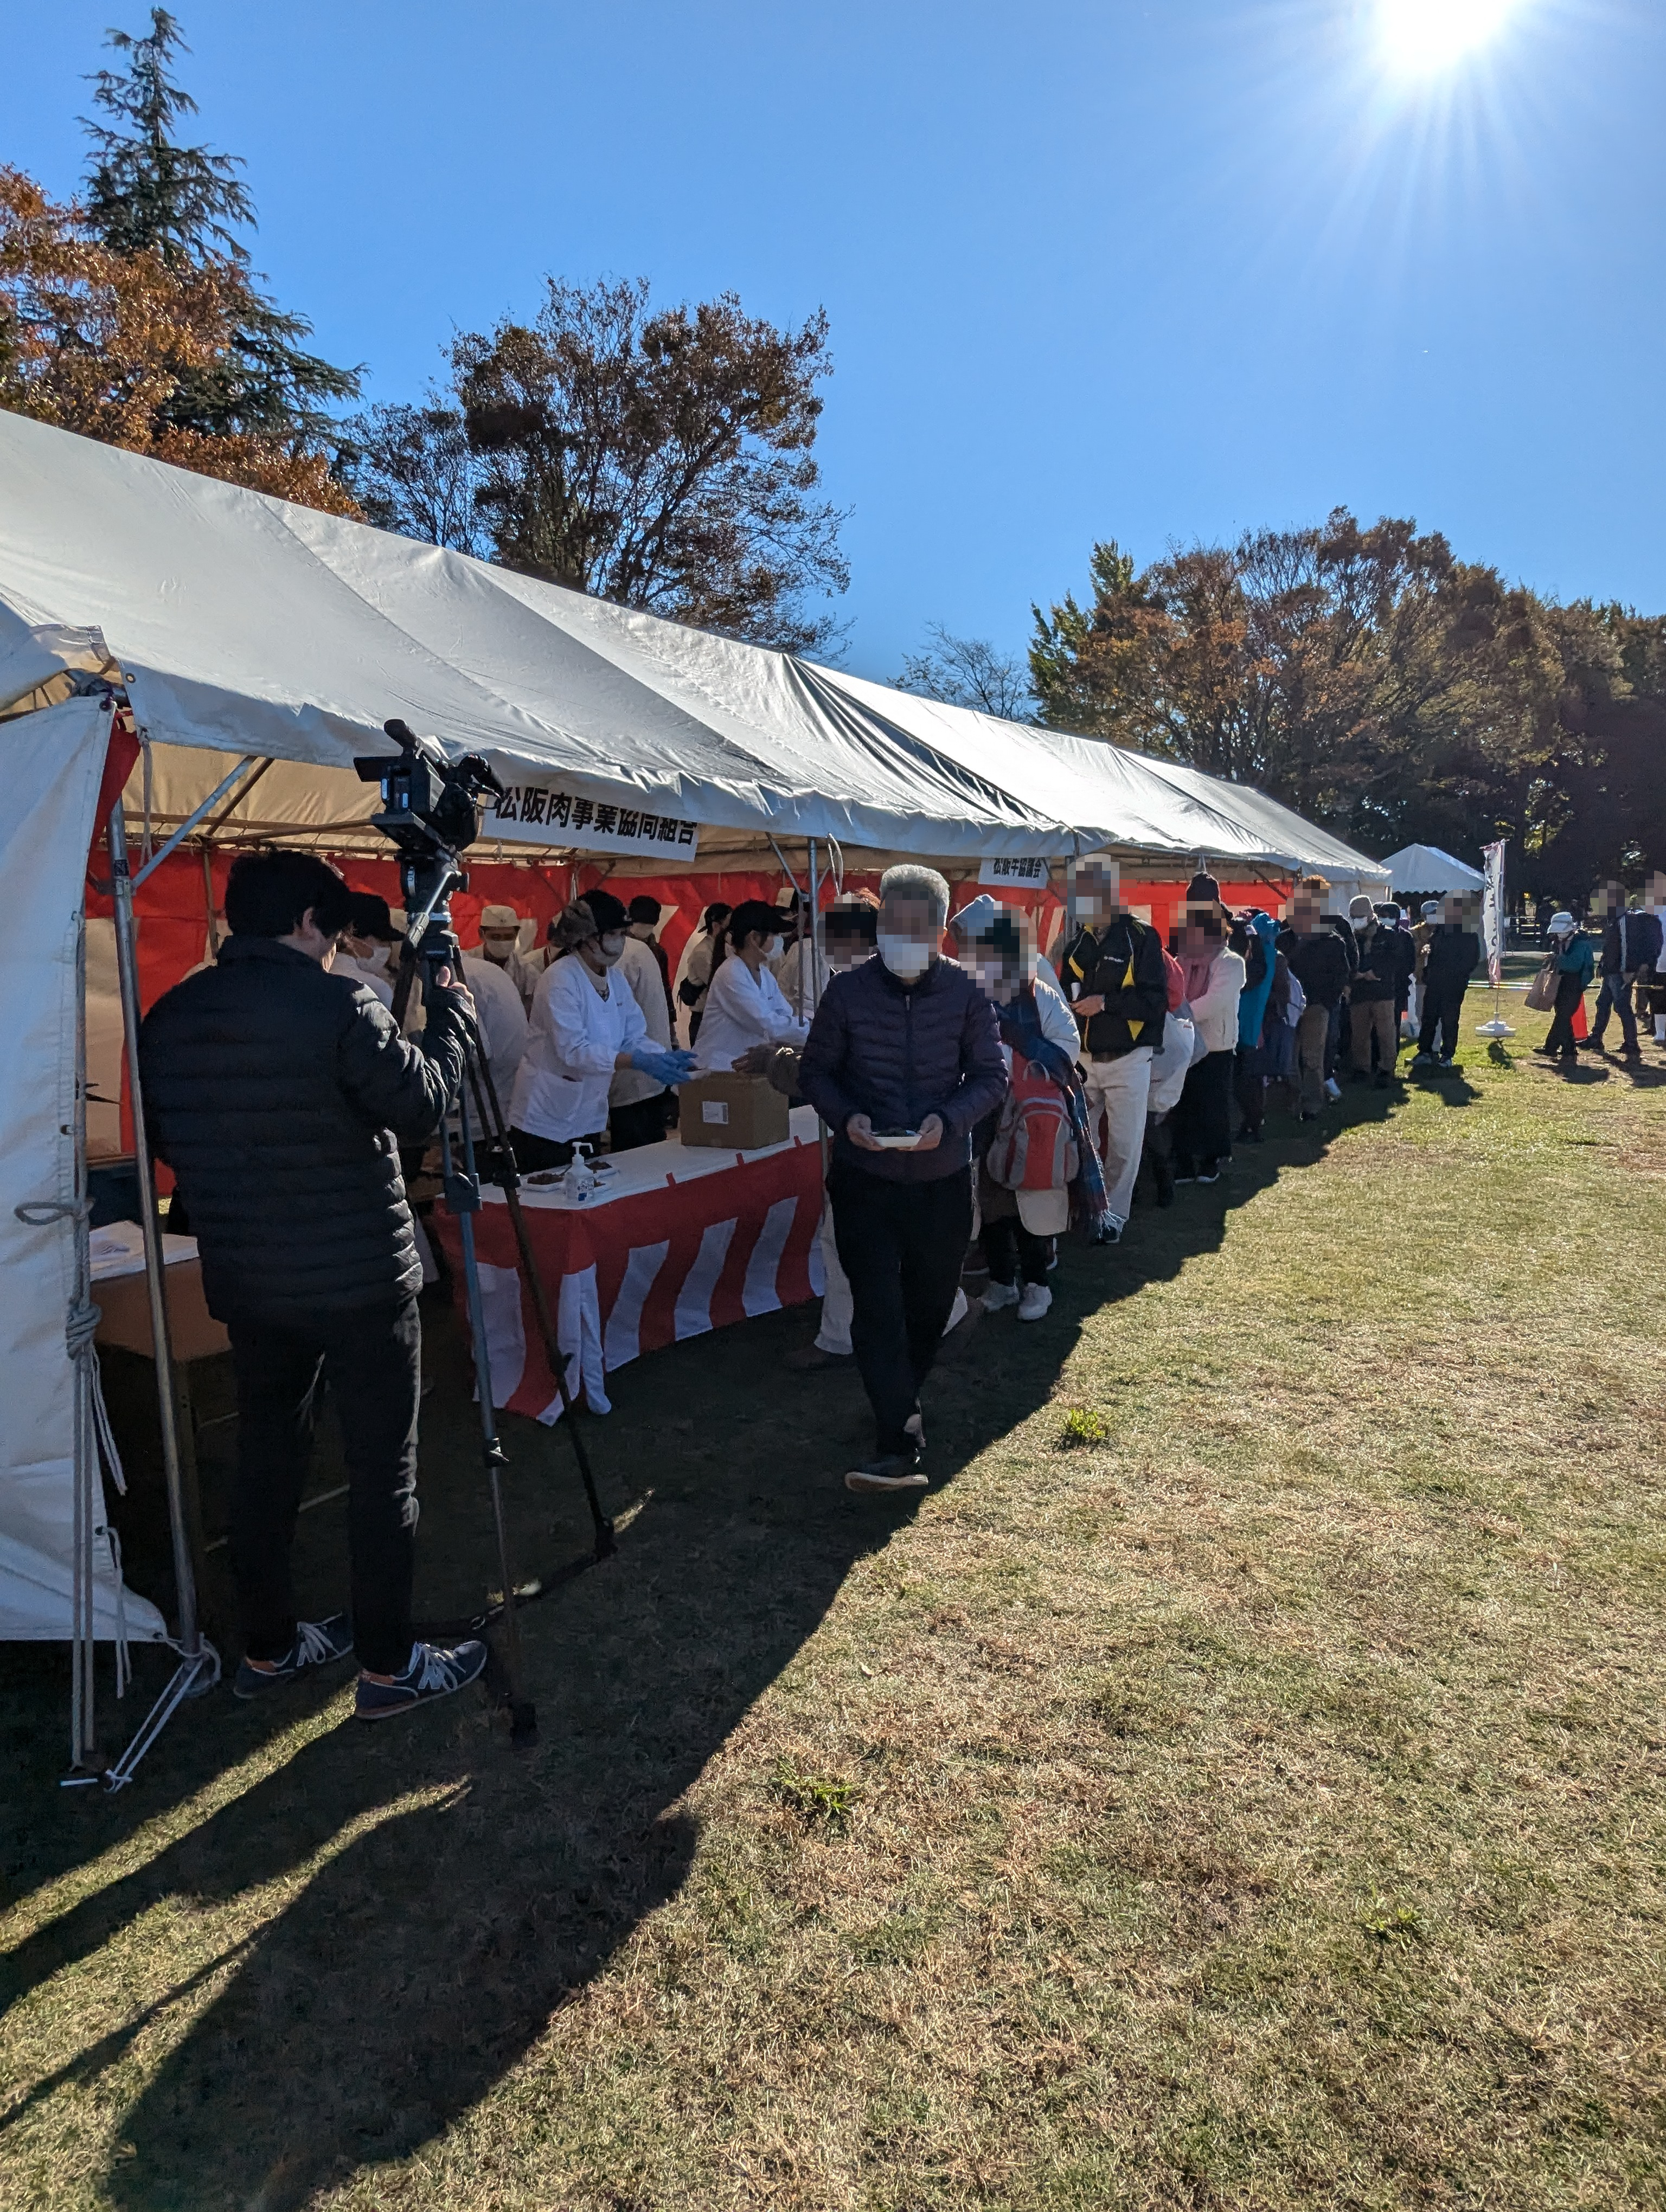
point(1236, 1783)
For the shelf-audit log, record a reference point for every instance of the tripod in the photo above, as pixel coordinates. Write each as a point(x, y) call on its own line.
point(461, 1172)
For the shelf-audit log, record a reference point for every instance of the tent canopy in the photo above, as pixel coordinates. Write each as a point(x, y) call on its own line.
point(243, 625)
point(1427, 868)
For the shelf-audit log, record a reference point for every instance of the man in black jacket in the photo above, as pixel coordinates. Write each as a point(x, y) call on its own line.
point(278, 1093)
point(1318, 960)
point(1385, 955)
point(1114, 977)
point(903, 1046)
point(1630, 946)
point(1451, 957)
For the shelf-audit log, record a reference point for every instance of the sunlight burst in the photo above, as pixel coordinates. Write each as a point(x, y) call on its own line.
point(1421, 36)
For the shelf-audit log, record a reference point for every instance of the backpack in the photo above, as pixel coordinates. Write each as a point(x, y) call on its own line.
point(1034, 1147)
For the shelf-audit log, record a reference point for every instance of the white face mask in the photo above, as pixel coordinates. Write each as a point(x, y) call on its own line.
point(611, 948)
point(907, 959)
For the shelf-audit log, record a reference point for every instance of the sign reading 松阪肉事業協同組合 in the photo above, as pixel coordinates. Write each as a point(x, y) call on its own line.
point(538, 813)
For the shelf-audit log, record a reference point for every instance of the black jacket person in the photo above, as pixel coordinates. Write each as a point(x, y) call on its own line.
point(278, 1093)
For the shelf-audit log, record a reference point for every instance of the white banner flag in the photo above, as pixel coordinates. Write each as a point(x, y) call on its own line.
point(1493, 912)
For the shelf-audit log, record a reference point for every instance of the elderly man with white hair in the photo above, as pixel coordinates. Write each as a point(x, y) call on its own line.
point(903, 1061)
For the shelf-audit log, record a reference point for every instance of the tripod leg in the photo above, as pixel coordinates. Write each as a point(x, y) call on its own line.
point(463, 1196)
point(491, 1117)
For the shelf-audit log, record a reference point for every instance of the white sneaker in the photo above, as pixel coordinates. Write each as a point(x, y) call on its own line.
point(1037, 1298)
point(999, 1295)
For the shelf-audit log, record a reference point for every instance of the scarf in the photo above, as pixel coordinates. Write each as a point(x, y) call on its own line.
point(1021, 1031)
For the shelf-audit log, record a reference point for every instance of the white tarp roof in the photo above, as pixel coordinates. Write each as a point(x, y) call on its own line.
point(1427, 868)
point(1116, 797)
point(248, 625)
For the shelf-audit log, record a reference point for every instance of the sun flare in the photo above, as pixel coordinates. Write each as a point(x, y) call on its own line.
point(1421, 36)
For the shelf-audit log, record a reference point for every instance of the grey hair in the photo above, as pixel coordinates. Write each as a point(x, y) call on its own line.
point(909, 879)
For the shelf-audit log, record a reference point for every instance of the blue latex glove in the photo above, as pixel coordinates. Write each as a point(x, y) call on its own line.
point(664, 1066)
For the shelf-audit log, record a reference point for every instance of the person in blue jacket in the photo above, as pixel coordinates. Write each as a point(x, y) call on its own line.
point(1255, 938)
point(1576, 965)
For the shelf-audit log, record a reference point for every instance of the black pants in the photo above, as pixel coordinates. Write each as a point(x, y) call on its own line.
point(1011, 1250)
point(531, 1154)
point(1203, 1119)
point(1249, 1088)
point(1443, 1014)
point(372, 1358)
point(643, 1122)
point(902, 1245)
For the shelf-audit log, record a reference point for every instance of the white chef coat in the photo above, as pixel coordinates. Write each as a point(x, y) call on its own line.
point(503, 1018)
point(740, 1012)
point(576, 1034)
point(641, 971)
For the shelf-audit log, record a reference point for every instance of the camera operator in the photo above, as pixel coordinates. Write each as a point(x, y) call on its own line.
point(277, 1093)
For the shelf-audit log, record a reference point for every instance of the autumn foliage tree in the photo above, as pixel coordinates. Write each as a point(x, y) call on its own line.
point(1372, 680)
point(662, 458)
point(133, 317)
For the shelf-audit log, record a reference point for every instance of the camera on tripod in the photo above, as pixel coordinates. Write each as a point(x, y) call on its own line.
point(430, 810)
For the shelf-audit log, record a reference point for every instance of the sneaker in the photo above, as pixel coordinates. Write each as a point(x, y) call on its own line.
point(1333, 1088)
point(1423, 1060)
point(999, 1296)
point(318, 1643)
point(894, 1471)
point(1208, 1174)
point(1035, 1302)
point(1111, 1233)
point(432, 1674)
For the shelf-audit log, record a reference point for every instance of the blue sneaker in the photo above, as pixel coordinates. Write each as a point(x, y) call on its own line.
point(318, 1643)
point(432, 1674)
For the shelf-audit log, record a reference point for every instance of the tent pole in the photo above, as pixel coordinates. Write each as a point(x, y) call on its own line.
point(184, 1576)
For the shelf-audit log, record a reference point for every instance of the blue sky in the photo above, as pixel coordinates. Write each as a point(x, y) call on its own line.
point(1154, 270)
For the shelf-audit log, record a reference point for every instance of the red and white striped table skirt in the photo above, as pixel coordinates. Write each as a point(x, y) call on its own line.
point(725, 1238)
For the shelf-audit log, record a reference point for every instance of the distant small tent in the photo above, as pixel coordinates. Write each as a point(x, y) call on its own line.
point(1427, 868)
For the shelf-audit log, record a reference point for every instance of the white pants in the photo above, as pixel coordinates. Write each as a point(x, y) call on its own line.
point(1119, 1089)
point(834, 1334)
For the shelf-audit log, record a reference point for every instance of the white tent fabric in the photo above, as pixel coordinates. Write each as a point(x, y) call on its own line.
point(51, 765)
point(247, 625)
point(1427, 868)
point(1122, 800)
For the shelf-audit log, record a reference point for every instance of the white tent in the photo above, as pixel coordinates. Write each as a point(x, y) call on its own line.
point(1427, 868)
point(244, 629)
point(1123, 801)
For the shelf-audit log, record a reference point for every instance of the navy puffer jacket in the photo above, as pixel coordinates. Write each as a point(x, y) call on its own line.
point(897, 1052)
point(278, 1094)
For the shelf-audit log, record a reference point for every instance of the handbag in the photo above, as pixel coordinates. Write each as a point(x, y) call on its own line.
point(1541, 991)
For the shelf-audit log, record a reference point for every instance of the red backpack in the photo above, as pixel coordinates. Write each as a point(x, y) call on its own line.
point(1034, 1146)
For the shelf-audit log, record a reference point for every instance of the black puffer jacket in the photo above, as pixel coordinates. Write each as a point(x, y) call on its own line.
point(1454, 955)
point(276, 1091)
point(897, 1052)
point(1319, 962)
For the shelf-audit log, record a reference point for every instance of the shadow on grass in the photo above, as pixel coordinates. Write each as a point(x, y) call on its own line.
point(377, 1983)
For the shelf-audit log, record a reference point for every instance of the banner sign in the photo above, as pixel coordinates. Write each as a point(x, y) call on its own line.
point(1493, 916)
point(1023, 872)
point(542, 813)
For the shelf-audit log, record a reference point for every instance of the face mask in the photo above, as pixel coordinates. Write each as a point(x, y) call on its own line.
point(642, 931)
point(498, 954)
point(907, 960)
point(610, 949)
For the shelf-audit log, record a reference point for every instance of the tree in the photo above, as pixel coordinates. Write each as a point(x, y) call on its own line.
point(968, 672)
point(661, 459)
point(1373, 681)
point(413, 470)
point(147, 193)
point(101, 344)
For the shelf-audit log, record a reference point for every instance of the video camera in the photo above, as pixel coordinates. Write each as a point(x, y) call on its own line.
point(430, 810)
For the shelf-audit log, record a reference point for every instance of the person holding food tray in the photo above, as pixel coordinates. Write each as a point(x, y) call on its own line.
point(903, 1059)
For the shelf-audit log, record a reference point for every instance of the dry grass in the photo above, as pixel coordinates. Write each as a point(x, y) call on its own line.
point(1257, 1804)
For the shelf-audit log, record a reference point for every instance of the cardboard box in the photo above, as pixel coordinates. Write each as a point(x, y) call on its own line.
point(732, 1112)
point(192, 1331)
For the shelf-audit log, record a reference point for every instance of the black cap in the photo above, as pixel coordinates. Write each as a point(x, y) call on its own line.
point(370, 917)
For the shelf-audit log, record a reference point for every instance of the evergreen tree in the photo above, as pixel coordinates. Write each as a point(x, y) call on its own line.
point(146, 192)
